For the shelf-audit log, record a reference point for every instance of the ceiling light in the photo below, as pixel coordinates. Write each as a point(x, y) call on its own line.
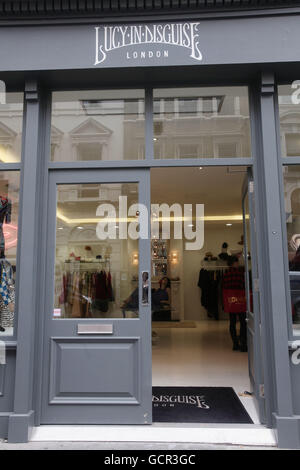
point(200, 167)
point(228, 225)
point(80, 228)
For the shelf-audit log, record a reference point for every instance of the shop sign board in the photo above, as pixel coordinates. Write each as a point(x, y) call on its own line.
point(150, 42)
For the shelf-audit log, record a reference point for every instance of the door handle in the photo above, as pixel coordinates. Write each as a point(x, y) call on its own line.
point(145, 287)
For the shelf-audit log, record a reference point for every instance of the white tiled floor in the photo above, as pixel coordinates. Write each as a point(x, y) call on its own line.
point(201, 356)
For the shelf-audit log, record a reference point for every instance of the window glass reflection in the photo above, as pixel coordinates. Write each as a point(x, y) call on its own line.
point(9, 212)
point(289, 115)
point(291, 176)
point(98, 125)
point(11, 121)
point(201, 123)
point(95, 277)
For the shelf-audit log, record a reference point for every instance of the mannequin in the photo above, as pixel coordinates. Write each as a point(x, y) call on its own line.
point(224, 255)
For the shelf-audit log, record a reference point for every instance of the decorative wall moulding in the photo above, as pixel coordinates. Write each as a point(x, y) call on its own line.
point(13, 9)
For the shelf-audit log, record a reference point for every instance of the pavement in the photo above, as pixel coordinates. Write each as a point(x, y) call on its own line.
point(115, 446)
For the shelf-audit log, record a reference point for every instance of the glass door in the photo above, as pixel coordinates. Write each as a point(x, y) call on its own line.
point(252, 295)
point(97, 335)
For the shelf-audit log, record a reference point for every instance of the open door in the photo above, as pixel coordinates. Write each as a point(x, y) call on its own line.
point(256, 373)
point(97, 325)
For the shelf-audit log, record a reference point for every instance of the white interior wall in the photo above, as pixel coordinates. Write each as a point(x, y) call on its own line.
point(215, 236)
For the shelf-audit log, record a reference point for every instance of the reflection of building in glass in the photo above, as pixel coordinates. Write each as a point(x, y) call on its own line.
point(79, 249)
point(87, 126)
point(289, 114)
point(201, 123)
point(292, 202)
point(11, 117)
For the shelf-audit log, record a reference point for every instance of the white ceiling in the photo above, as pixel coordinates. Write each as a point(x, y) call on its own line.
point(218, 188)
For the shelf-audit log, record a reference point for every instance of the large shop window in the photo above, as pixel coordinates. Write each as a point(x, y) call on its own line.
point(289, 118)
point(9, 212)
point(11, 122)
point(291, 177)
point(11, 119)
point(98, 125)
point(201, 123)
point(96, 270)
point(289, 114)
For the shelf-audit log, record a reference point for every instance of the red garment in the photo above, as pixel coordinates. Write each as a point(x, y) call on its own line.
point(234, 301)
point(234, 296)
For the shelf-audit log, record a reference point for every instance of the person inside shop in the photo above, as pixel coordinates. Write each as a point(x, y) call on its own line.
point(234, 300)
point(132, 302)
point(161, 297)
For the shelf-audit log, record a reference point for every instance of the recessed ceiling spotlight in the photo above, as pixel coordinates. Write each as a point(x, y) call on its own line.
point(200, 167)
point(80, 228)
point(228, 225)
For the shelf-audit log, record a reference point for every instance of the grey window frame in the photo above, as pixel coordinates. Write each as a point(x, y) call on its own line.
point(36, 168)
point(50, 167)
point(149, 160)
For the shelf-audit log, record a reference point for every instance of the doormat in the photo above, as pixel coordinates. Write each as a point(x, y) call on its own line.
point(173, 324)
point(198, 405)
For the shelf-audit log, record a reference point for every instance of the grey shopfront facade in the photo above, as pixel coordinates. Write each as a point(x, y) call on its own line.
point(49, 47)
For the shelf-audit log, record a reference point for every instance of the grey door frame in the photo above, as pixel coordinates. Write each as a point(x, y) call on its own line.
point(134, 410)
point(149, 162)
point(253, 307)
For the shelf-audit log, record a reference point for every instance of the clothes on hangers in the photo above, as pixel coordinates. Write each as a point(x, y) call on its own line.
point(209, 282)
point(86, 293)
point(7, 294)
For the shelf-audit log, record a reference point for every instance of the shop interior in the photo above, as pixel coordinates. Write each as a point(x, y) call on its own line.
point(94, 278)
point(96, 275)
point(193, 347)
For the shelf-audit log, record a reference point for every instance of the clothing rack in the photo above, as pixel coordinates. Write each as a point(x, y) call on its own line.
point(83, 264)
point(214, 267)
